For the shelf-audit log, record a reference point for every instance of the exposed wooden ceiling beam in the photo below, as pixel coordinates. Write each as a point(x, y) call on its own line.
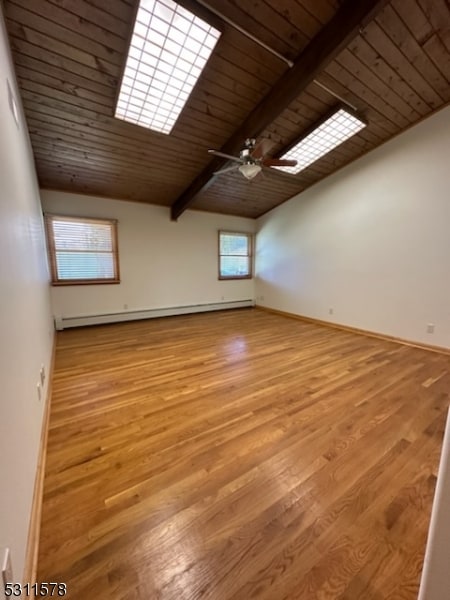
point(322, 49)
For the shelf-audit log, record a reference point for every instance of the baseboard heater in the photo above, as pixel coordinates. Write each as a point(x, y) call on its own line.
point(149, 313)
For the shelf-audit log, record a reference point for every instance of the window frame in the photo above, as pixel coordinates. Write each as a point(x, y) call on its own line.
point(249, 236)
point(51, 249)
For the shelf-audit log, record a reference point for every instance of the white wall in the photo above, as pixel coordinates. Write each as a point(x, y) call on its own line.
point(372, 241)
point(162, 263)
point(26, 330)
point(435, 582)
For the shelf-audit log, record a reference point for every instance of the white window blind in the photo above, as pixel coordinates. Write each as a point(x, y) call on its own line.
point(235, 255)
point(82, 250)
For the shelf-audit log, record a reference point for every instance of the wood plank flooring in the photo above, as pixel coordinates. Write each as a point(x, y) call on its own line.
point(239, 455)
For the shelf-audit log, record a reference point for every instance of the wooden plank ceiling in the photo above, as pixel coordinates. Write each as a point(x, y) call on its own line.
point(69, 55)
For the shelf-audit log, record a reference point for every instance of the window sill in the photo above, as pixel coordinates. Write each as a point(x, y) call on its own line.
point(226, 278)
point(85, 282)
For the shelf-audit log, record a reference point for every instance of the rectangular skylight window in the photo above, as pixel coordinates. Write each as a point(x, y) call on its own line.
point(168, 50)
point(338, 128)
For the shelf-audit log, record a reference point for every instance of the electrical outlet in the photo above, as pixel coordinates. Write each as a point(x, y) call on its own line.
point(430, 328)
point(42, 374)
point(330, 311)
point(7, 574)
point(125, 307)
point(39, 390)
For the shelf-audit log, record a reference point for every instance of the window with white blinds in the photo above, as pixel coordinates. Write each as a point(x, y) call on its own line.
point(235, 255)
point(82, 250)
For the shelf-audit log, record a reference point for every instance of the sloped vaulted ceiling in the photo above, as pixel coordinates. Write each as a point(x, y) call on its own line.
point(69, 56)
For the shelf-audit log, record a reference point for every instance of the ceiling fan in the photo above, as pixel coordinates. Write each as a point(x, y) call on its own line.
point(252, 158)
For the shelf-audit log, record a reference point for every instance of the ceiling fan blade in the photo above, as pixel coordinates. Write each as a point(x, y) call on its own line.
point(279, 162)
point(262, 148)
point(233, 168)
point(223, 155)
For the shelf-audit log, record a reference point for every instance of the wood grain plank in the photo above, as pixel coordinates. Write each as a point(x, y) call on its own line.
point(64, 48)
point(239, 454)
point(438, 13)
point(89, 12)
point(57, 22)
point(397, 31)
point(427, 36)
point(386, 73)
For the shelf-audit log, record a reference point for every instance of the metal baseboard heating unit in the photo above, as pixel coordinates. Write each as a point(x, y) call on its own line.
point(150, 313)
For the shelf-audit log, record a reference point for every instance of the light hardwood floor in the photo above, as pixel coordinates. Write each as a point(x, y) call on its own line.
point(240, 455)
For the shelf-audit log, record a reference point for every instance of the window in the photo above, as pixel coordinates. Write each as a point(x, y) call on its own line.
point(235, 255)
point(82, 250)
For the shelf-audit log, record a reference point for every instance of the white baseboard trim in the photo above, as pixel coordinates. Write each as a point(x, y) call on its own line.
point(34, 527)
point(149, 313)
point(366, 332)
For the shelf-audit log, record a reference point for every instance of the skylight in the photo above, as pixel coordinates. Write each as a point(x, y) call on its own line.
point(338, 128)
point(168, 50)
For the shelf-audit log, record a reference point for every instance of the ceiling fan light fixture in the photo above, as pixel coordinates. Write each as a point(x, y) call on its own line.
point(249, 170)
